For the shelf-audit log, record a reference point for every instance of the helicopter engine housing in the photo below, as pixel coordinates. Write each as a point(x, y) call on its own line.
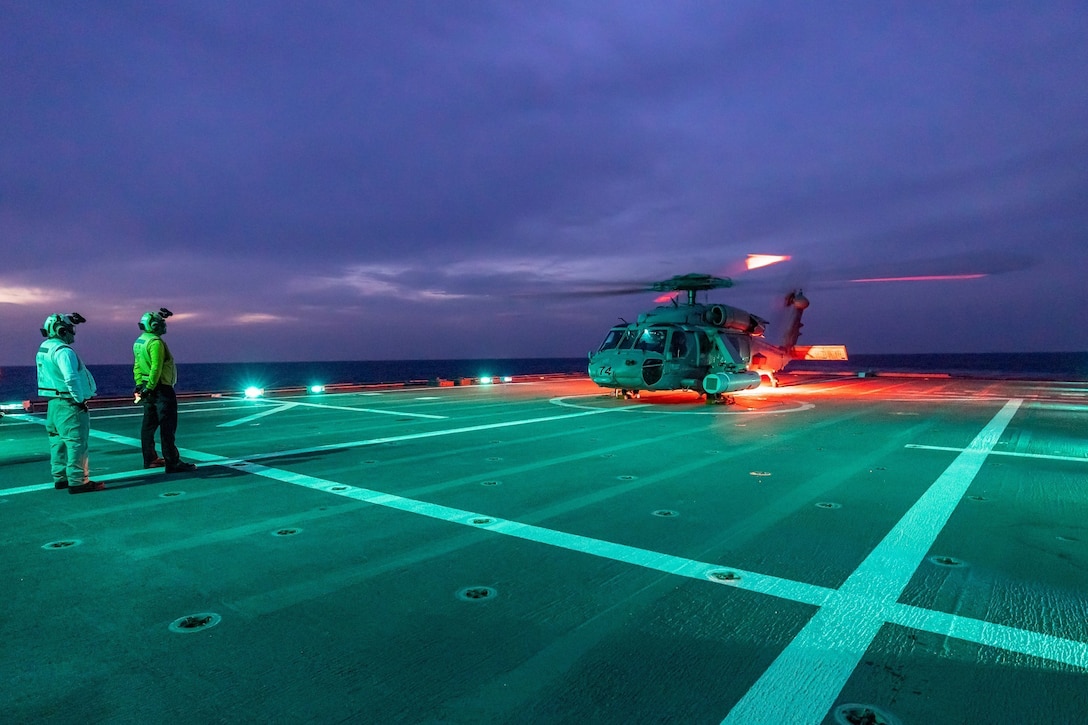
point(734, 318)
point(730, 382)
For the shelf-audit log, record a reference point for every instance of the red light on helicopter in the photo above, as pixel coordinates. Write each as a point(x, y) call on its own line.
point(666, 298)
point(755, 261)
point(923, 278)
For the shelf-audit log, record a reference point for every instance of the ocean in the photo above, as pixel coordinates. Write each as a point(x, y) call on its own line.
point(18, 382)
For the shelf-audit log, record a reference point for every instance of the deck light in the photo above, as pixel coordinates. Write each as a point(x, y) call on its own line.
point(317, 388)
point(485, 380)
point(254, 392)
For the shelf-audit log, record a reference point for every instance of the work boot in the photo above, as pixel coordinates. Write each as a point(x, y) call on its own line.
point(60, 485)
point(87, 487)
point(181, 467)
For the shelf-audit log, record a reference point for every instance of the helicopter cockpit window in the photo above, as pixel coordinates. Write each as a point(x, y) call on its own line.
point(628, 339)
point(613, 338)
point(652, 340)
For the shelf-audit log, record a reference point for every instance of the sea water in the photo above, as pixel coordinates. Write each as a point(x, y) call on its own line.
point(18, 383)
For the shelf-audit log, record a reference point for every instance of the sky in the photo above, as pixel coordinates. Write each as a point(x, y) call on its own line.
point(431, 180)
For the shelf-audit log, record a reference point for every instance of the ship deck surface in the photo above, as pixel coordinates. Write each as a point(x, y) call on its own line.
point(541, 552)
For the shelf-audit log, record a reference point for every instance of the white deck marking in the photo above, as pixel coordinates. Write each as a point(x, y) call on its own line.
point(268, 411)
point(989, 634)
point(802, 683)
point(1014, 454)
point(399, 413)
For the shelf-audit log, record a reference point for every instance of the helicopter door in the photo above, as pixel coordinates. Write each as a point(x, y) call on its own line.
point(682, 346)
point(652, 342)
point(705, 346)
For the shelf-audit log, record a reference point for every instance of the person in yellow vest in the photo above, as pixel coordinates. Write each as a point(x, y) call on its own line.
point(156, 374)
point(66, 381)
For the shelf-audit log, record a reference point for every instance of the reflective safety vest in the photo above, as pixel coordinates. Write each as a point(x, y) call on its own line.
point(152, 362)
point(54, 380)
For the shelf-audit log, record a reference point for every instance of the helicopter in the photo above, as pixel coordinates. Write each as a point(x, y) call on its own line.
point(712, 349)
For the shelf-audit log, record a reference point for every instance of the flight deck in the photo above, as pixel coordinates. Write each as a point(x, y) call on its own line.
point(840, 549)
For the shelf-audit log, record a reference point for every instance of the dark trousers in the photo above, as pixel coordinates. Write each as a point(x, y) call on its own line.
point(160, 412)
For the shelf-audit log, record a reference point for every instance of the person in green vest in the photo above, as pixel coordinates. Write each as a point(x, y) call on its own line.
point(156, 374)
point(68, 384)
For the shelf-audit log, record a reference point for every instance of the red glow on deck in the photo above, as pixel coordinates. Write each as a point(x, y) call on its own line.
point(923, 278)
point(755, 261)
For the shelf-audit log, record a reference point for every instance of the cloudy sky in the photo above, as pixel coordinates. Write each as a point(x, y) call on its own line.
point(397, 179)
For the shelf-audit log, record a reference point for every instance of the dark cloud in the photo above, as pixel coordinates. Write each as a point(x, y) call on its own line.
point(423, 173)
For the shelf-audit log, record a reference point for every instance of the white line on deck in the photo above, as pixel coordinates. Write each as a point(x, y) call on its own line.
point(268, 411)
point(1014, 454)
point(763, 583)
point(802, 683)
point(399, 413)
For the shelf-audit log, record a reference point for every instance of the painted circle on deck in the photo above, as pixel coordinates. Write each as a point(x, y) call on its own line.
point(686, 407)
point(195, 622)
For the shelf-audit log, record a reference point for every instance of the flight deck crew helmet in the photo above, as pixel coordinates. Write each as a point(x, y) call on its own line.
point(62, 327)
point(155, 322)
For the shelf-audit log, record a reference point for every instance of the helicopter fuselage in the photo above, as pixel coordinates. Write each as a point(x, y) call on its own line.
point(702, 347)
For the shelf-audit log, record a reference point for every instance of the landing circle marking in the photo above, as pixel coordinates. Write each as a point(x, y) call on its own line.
point(654, 409)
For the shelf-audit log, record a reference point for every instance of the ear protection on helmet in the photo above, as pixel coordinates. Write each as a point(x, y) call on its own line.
point(61, 326)
point(155, 322)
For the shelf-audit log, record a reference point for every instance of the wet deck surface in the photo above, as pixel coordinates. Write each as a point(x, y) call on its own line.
point(542, 552)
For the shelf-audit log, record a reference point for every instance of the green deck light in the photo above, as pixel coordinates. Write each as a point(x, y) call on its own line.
point(254, 392)
point(317, 388)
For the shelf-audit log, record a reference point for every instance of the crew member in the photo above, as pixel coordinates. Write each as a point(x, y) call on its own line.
point(66, 381)
point(155, 375)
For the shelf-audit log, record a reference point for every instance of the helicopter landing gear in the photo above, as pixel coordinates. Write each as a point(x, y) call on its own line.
point(720, 399)
point(626, 394)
